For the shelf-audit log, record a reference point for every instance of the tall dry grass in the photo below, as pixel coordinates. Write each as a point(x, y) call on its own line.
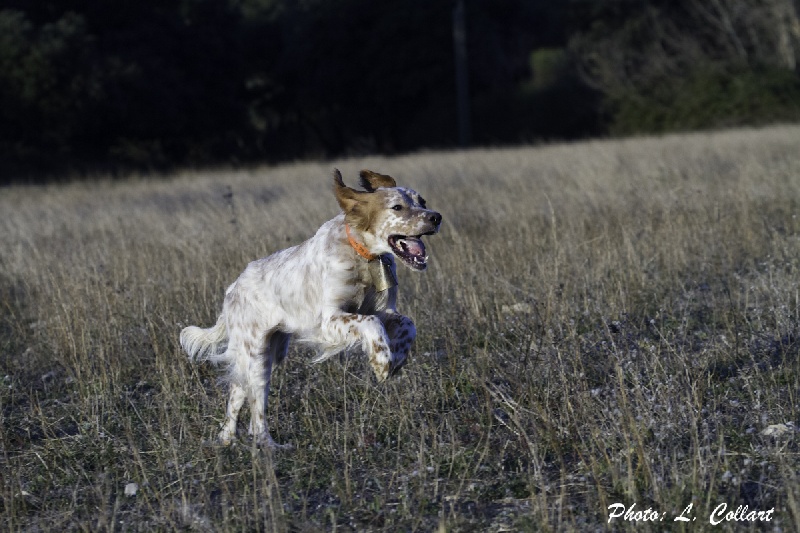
point(606, 322)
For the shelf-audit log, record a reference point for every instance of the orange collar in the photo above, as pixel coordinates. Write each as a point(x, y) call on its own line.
point(358, 247)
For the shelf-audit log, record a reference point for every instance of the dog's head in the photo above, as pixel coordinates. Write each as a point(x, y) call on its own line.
point(387, 217)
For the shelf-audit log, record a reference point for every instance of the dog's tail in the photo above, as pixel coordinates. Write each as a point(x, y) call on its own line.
point(205, 344)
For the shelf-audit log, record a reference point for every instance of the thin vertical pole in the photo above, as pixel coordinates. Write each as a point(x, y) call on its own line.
point(462, 74)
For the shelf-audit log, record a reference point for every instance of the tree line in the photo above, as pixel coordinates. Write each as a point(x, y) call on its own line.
point(90, 85)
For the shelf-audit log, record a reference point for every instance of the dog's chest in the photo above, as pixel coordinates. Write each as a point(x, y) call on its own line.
point(369, 285)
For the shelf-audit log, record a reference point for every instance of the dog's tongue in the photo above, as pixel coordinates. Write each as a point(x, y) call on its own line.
point(413, 246)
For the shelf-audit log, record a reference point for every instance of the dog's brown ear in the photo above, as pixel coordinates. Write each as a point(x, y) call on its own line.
point(347, 197)
point(359, 207)
point(338, 182)
point(372, 180)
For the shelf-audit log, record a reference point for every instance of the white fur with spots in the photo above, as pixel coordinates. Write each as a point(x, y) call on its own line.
point(319, 293)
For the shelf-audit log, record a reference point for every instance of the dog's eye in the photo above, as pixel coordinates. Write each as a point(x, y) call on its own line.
point(422, 202)
point(397, 207)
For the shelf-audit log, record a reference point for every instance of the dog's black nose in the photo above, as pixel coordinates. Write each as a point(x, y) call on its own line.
point(435, 217)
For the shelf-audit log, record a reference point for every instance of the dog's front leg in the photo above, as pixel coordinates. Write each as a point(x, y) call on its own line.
point(402, 333)
point(348, 329)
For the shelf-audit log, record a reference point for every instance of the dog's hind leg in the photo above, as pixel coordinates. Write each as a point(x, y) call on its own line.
point(235, 402)
point(245, 374)
point(277, 345)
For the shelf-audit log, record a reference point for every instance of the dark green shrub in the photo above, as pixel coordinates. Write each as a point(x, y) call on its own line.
point(710, 97)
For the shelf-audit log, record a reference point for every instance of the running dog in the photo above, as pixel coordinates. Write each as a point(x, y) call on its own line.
point(336, 290)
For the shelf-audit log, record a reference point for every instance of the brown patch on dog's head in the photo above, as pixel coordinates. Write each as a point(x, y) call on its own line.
point(390, 219)
point(359, 207)
point(372, 180)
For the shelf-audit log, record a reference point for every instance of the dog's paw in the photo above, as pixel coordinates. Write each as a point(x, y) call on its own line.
point(397, 365)
point(384, 374)
point(382, 369)
point(396, 371)
point(225, 438)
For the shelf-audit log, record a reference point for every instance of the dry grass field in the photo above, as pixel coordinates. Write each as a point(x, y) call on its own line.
point(612, 322)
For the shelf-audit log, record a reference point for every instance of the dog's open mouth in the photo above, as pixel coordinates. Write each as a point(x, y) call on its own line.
point(411, 250)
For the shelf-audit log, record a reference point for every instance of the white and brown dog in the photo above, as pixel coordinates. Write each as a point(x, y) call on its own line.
point(333, 291)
